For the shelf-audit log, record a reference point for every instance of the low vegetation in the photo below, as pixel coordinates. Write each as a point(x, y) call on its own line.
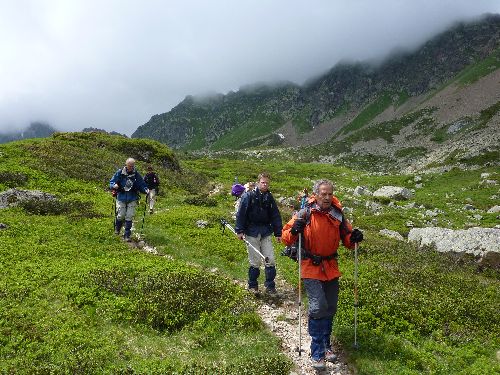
point(76, 299)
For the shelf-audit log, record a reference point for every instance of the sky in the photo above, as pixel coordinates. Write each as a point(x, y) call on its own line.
point(112, 64)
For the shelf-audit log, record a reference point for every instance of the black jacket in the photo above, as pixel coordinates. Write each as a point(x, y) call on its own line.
point(151, 179)
point(258, 214)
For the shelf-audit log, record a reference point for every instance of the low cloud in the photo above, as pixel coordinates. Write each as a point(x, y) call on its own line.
point(114, 64)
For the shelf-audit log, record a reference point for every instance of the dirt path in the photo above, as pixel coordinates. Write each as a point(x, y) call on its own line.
point(280, 314)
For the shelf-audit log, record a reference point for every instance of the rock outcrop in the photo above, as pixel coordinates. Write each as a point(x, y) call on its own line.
point(393, 192)
point(475, 241)
point(13, 197)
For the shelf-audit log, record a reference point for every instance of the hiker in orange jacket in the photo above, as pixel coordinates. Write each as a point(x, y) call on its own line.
point(323, 226)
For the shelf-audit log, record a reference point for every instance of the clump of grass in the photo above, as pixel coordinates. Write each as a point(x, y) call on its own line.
point(13, 179)
point(201, 200)
point(58, 207)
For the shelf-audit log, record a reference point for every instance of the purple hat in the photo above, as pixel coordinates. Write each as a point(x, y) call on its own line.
point(237, 190)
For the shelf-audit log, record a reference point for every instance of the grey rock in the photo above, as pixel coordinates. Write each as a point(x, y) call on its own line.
point(476, 241)
point(488, 182)
point(391, 234)
point(410, 205)
point(494, 210)
point(361, 190)
point(13, 197)
point(201, 223)
point(393, 192)
point(373, 206)
point(469, 207)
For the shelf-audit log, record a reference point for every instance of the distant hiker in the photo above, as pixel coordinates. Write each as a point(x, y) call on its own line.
point(322, 225)
point(128, 182)
point(256, 220)
point(153, 182)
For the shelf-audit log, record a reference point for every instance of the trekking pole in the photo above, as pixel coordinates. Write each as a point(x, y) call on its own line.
point(144, 214)
point(356, 346)
point(224, 224)
point(114, 212)
point(300, 294)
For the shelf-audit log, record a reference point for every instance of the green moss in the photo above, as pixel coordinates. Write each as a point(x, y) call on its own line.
point(368, 113)
point(475, 71)
point(258, 126)
point(410, 152)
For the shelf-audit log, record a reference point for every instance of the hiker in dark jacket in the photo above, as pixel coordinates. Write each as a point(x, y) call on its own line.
point(257, 219)
point(151, 179)
point(128, 182)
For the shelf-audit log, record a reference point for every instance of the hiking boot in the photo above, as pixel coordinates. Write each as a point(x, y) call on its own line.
point(330, 356)
point(118, 226)
point(150, 211)
point(254, 290)
point(318, 364)
point(128, 231)
point(271, 291)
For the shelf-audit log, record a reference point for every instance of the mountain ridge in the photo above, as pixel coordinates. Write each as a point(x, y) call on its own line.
point(36, 129)
point(345, 99)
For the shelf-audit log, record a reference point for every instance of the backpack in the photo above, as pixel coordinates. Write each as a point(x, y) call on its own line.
point(237, 190)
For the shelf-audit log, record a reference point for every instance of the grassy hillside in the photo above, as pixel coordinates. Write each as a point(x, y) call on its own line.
point(76, 299)
point(416, 315)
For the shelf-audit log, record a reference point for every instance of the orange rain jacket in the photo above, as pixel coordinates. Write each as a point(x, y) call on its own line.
point(321, 237)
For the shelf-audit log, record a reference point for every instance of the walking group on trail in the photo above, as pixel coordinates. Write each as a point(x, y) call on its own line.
point(318, 228)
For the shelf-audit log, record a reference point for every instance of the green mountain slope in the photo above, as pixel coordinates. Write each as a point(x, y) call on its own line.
point(348, 97)
point(76, 299)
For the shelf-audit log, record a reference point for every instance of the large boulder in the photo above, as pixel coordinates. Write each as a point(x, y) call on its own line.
point(393, 192)
point(13, 197)
point(475, 241)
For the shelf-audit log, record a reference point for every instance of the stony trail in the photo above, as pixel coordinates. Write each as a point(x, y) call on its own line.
point(280, 314)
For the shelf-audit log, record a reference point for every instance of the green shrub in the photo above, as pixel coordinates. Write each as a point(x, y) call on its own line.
point(201, 200)
point(166, 300)
point(58, 207)
point(13, 179)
